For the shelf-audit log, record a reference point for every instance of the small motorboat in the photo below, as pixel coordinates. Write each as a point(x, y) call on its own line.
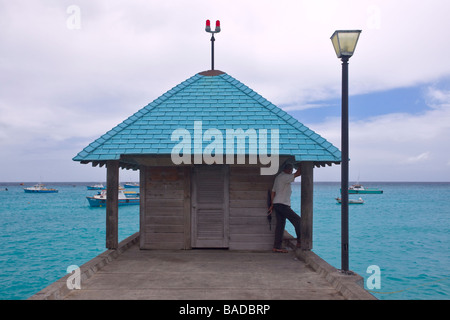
point(39, 188)
point(97, 186)
point(358, 188)
point(131, 185)
point(351, 201)
point(99, 200)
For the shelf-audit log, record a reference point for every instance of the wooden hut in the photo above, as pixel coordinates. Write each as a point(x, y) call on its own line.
point(215, 195)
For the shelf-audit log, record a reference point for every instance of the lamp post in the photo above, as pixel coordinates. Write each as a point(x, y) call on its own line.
point(344, 43)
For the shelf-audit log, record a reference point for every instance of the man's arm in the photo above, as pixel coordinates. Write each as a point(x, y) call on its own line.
point(297, 173)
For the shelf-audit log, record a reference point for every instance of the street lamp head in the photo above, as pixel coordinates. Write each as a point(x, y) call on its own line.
point(344, 42)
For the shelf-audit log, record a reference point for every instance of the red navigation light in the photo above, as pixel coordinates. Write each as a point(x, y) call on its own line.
point(217, 26)
point(208, 27)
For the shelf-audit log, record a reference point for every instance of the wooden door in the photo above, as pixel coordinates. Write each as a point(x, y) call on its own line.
point(210, 197)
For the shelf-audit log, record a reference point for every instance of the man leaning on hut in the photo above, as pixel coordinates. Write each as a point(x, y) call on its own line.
point(281, 204)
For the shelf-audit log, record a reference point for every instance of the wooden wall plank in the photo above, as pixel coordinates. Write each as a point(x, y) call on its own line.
point(165, 205)
point(249, 203)
point(249, 227)
point(168, 221)
point(210, 206)
point(248, 194)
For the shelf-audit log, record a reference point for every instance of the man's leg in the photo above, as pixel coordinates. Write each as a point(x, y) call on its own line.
point(279, 228)
point(295, 220)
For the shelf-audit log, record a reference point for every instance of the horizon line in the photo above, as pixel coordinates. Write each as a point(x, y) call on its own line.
point(296, 182)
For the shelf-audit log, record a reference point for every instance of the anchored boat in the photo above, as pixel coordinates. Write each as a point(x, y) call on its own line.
point(351, 201)
point(131, 185)
point(97, 186)
point(39, 188)
point(99, 200)
point(357, 188)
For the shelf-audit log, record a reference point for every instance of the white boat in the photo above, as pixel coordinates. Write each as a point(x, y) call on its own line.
point(97, 186)
point(131, 185)
point(39, 188)
point(99, 200)
point(358, 188)
point(351, 201)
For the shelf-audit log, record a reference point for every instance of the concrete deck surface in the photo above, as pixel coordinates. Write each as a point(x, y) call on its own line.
point(130, 273)
point(205, 274)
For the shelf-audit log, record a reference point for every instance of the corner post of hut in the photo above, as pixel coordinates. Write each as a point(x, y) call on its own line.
point(112, 204)
point(143, 171)
point(307, 185)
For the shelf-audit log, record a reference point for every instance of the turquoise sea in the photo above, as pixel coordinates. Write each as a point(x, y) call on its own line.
point(405, 232)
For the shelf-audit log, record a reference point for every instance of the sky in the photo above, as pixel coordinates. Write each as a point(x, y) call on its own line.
point(72, 70)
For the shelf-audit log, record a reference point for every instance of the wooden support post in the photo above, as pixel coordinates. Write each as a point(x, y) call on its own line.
point(187, 207)
point(142, 212)
point(307, 204)
point(112, 204)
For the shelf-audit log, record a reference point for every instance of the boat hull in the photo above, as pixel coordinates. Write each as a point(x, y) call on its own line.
point(350, 201)
point(93, 202)
point(367, 191)
point(40, 191)
point(131, 186)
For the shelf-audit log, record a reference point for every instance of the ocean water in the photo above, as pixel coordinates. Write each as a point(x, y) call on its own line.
point(405, 232)
point(41, 235)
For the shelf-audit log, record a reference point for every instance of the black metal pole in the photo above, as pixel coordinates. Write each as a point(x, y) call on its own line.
point(344, 168)
point(212, 51)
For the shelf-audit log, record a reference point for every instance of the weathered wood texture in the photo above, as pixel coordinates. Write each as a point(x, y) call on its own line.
point(112, 204)
point(167, 213)
point(248, 224)
point(165, 208)
point(307, 205)
point(210, 206)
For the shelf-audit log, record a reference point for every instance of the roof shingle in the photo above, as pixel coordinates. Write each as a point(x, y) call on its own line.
point(218, 101)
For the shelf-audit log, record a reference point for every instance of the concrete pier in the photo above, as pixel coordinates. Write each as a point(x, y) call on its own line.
point(131, 273)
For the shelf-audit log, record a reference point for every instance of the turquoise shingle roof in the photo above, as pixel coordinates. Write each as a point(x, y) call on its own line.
point(219, 101)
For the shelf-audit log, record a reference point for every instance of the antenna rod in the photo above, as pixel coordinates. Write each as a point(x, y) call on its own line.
point(212, 51)
point(217, 30)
